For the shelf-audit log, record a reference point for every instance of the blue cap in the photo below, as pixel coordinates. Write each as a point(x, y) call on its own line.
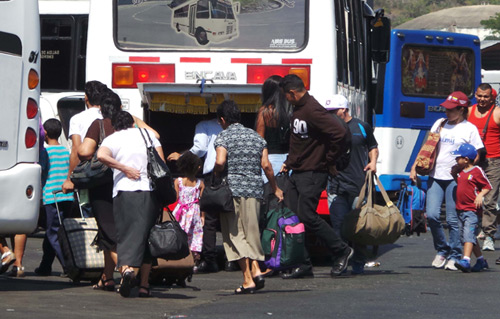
point(465, 150)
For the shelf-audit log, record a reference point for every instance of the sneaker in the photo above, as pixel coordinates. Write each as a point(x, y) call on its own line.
point(451, 265)
point(480, 265)
point(439, 261)
point(481, 235)
point(489, 244)
point(463, 265)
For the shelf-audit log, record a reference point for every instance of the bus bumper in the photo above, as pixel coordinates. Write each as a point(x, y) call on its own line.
point(18, 212)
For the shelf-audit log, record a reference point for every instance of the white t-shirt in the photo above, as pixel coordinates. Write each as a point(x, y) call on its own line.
point(451, 137)
point(80, 123)
point(127, 147)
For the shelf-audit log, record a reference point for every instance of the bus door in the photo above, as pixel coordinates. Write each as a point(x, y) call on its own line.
point(192, 18)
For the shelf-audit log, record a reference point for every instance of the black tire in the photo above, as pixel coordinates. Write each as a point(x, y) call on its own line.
point(201, 36)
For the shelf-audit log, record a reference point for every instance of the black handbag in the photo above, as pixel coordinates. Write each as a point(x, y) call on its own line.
point(92, 173)
point(217, 197)
point(159, 174)
point(168, 240)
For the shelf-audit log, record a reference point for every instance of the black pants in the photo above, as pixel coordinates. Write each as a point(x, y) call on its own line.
point(212, 222)
point(302, 197)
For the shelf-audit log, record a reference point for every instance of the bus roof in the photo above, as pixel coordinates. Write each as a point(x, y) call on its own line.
point(64, 6)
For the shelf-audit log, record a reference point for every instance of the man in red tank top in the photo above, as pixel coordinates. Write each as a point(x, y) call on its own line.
point(486, 113)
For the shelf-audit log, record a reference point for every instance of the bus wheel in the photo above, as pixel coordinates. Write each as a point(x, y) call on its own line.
point(201, 36)
point(177, 27)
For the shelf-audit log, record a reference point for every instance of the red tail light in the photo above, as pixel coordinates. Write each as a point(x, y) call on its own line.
point(31, 109)
point(30, 138)
point(257, 74)
point(127, 75)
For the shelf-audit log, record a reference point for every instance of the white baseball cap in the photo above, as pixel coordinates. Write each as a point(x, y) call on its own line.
point(336, 102)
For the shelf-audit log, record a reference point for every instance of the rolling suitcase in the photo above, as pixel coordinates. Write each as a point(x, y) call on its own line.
point(171, 272)
point(82, 260)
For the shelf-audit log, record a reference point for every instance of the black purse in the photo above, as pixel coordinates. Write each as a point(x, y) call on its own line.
point(168, 240)
point(92, 173)
point(159, 174)
point(217, 197)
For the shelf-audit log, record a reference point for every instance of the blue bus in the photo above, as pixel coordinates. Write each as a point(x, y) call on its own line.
point(424, 67)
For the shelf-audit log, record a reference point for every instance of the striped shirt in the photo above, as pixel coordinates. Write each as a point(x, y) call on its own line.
point(58, 171)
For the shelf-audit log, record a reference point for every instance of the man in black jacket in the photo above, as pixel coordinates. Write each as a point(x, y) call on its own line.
point(315, 144)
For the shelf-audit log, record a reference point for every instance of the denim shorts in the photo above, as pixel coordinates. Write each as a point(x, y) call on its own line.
point(469, 226)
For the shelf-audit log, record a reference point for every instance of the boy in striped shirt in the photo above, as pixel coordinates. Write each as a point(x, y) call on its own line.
point(57, 173)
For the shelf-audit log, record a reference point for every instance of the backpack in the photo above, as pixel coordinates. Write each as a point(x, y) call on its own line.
point(283, 239)
point(344, 158)
point(411, 204)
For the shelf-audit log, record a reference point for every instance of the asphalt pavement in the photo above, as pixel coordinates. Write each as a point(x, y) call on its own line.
point(403, 286)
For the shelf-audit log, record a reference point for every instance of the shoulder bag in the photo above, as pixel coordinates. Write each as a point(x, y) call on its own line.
point(168, 240)
point(373, 224)
point(217, 197)
point(159, 174)
point(426, 158)
point(91, 173)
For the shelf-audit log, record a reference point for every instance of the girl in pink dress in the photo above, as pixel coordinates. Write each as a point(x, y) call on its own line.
point(187, 212)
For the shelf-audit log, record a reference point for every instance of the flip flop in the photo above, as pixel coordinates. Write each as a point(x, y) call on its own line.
point(259, 282)
point(244, 291)
point(126, 283)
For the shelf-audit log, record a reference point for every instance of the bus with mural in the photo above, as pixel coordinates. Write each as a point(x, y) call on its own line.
point(393, 79)
point(20, 185)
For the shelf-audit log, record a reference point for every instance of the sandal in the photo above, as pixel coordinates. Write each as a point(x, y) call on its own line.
point(259, 282)
point(8, 259)
point(146, 294)
point(244, 291)
point(127, 282)
point(101, 285)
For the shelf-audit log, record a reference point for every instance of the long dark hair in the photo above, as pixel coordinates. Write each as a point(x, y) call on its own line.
point(274, 102)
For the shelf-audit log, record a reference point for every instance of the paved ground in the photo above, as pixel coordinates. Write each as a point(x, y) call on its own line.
point(404, 286)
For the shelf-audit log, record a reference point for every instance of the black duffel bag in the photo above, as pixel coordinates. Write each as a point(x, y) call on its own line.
point(168, 240)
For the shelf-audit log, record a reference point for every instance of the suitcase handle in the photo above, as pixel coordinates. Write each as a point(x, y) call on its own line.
point(57, 191)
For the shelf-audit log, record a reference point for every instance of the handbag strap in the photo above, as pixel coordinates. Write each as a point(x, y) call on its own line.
point(371, 187)
point(145, 142)
point(362, 193)
point(443, 122)
point(102, 134)
point(388, 202)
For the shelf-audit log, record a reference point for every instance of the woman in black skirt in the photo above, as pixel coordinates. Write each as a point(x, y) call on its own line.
point(135, 207)
point(101, 199)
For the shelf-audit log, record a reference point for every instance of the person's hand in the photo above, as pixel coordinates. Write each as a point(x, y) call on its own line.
point(284, 168)
point(371, 167)
point(131, 173)
point(173, 156)
point(68, 186)
point(279, 193)
point(332, 169)
point(479, 201)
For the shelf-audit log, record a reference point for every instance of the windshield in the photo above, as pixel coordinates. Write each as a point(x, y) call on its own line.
point(436, 71)
point(275, 25)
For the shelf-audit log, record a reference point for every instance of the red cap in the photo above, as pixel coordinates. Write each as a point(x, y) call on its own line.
point(456, 99)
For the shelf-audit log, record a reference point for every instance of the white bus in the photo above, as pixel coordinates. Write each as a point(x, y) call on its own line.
point(206, 20)
point(20, 186)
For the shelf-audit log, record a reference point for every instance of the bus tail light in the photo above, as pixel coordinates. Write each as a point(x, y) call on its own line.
point(30, 138)
point(128, 75)
point(33, 79)
point(31, 109)
point(257, 74)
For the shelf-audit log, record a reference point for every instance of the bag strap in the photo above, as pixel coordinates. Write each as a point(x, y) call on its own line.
point(362, 193)
point(102, 134)
point(487, 121)
point(383, 192)
point(443, 122)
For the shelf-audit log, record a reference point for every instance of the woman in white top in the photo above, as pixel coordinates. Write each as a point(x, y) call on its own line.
point(135, 207)
point(455, 130)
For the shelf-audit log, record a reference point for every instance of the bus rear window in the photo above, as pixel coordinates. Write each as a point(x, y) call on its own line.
point(436, 71)
point(205, 24)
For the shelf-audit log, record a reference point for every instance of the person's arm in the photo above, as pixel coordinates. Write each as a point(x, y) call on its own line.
point(260, 126)
point(220, 160)
point(141, 124)
point(68, 186)
point(176, 186)
point(173, 156)
point(496, 115)
point(105, 156)
point(332, 129)
point(87, 149)
point(201, 140)
point(159, 149)
point(373, 156)
point(268, 170)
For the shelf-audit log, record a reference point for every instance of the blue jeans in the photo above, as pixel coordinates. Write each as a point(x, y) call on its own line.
point(276, 162)
point(469, 226)
point(437, 191)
